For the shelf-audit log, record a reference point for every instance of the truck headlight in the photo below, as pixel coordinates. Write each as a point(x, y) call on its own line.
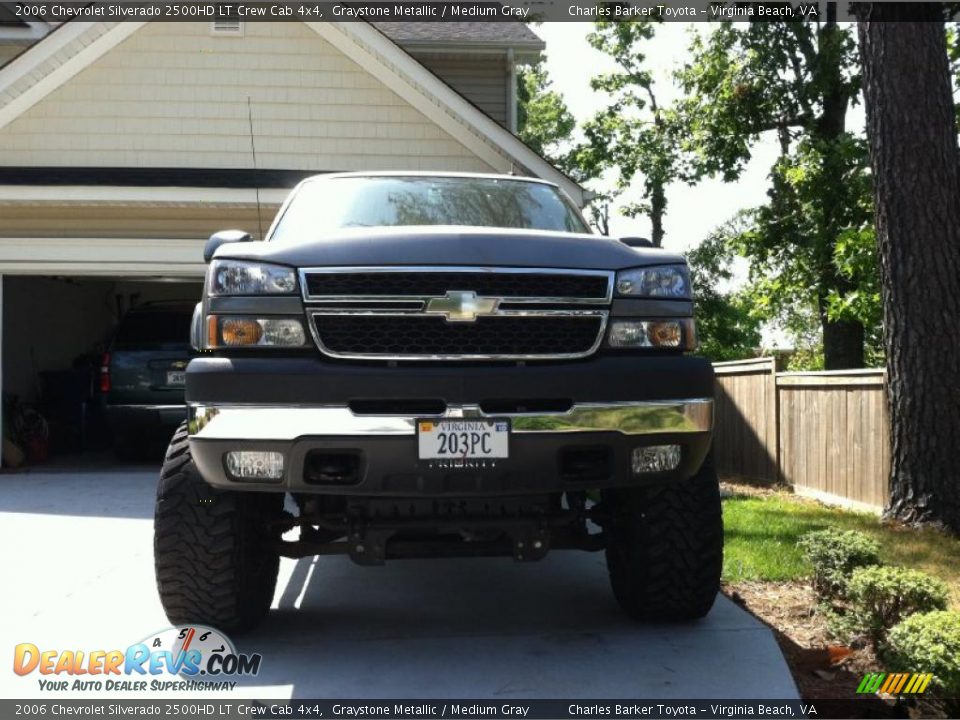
point(227, 331)
point(664, 281)
point(240, 277)
point(676, 334)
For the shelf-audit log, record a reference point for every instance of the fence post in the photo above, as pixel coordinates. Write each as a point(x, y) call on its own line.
point(775, 421)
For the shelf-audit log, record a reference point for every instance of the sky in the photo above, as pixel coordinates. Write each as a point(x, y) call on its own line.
point(692, 212)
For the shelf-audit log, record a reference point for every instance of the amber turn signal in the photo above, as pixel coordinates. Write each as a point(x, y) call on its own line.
point(240, 331)
point(213, 336)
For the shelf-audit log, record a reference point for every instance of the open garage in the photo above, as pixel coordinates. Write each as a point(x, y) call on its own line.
point(57, 331)
point(81, 260)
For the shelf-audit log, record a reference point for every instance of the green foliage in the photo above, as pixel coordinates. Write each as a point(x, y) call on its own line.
point(543, 120)
point(811, 247)
point(761, 535)
point(807, 351)
point(842, 624)
point(726, 328)
point(881, 597)
point(745, 79)
point(805, 267)
point(834, 554)
point(928, 642)
point(633, 134)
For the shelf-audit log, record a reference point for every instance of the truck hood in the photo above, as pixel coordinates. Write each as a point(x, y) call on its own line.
point(441, 245)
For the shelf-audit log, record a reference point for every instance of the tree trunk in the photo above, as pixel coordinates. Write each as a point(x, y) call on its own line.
point(842, 341)
point(916, 166)
point(842, 344)
point(658, 208)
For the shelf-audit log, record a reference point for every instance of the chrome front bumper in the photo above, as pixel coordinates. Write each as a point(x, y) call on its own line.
point(285, 424)
point(587, 447)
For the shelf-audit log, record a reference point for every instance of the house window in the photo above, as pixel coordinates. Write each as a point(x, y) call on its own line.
point(226, 27)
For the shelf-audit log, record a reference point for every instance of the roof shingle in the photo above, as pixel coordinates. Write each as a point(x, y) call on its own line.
point(505, 33)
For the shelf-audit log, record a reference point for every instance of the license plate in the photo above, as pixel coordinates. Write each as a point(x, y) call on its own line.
point(451, 439)
point(176, 377)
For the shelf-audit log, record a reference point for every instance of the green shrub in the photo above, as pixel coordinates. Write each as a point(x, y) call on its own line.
point(928, 642)
point(880, 597)
point(834, 554)
point(841, 625)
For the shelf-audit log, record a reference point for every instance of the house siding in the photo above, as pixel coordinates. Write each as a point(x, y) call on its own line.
point(38, 220)
point(481, 79)
point(173, 95)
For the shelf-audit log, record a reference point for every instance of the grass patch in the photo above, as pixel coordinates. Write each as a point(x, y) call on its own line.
point(762, 533)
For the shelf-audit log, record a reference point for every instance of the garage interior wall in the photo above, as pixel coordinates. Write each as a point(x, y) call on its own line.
point(49, 322)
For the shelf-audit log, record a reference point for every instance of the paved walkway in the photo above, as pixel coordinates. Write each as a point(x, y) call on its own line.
point(78, 566)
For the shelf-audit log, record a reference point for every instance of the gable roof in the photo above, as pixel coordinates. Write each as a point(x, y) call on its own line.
point(463, 35)
point(53, 61)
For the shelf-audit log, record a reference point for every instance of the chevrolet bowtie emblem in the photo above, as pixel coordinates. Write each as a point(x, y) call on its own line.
point(461, 306)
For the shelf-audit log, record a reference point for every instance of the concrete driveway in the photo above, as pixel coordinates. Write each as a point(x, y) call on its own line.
point(78, 574)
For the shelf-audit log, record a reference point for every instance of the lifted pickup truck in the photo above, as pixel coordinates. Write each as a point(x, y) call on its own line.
point(439, 366)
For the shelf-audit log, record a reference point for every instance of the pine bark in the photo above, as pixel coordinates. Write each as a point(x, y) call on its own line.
point(916, 167)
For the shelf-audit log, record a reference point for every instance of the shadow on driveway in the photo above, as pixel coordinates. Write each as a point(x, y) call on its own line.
point(493, 628)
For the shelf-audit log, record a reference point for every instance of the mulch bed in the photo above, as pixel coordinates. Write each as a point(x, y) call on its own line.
point(822, 669)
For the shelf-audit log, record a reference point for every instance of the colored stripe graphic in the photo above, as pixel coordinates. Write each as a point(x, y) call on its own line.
point(927, 677)
point(871, 682)
point(894, 683)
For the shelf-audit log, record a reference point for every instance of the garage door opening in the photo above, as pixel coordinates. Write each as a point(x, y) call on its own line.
point(92, 366)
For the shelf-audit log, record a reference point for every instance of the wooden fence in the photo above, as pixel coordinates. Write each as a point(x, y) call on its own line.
point(824, 433)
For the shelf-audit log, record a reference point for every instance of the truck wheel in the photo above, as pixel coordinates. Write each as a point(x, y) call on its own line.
point(665, 547)
point(215, 559)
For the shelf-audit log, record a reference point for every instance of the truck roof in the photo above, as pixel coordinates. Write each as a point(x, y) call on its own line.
point(427, 174)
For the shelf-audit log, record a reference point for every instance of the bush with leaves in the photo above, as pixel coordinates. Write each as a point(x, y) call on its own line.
point(835, 554)
point(928, 642)
point(880, 597)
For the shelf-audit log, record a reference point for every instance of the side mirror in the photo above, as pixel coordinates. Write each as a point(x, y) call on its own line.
point(222, 238)
point(636, 242)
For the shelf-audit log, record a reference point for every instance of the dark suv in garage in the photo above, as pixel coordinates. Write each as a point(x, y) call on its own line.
point(439, 366)
point(143, 374)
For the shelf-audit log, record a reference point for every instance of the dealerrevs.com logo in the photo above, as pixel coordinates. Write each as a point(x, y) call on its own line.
point(199, 657)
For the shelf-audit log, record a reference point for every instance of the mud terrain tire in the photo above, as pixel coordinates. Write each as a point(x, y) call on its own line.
point(216, 562)
point(665, 548)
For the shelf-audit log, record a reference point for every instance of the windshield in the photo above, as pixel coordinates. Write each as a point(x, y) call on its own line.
point(323, 206)
point(153, 329)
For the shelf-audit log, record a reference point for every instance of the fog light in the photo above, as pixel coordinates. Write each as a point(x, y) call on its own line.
point(255, 465)
point(655, 458)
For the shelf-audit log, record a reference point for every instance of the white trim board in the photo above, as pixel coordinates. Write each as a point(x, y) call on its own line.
point(34, 30)
point(101, 256)
point(116, 194)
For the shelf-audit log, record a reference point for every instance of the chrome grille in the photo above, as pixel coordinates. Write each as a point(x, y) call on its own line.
point(513, 285)
point(412, 336)
point(448, 313)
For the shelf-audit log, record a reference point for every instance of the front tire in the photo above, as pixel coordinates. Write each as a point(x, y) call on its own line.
point(665, 547)
point(215, 557)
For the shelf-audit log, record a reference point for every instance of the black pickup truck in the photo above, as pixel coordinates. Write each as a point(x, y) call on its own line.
point(439, 365)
